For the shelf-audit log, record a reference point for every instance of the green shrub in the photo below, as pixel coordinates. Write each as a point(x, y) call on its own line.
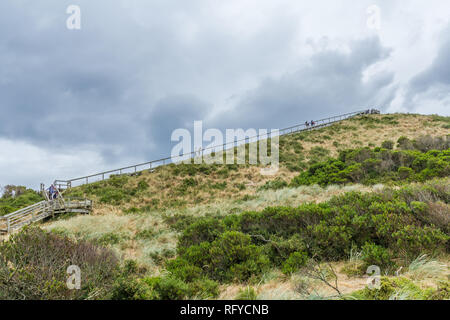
point(203, 289)
point(373, 254)
point(22, 198)
point(111, 238)
point(240, 186)
point(388, 145)
point(205, 229)
point(295, 261)
point(405, 173)
point(129, 288)
point(167, 288)
point(142, 186)
point(395, 289)
point(233, 257)
point(413, 240)
point(118, 181)
point(378, 165)
point(33, 266)
point(184, 270)
point(442, 292)
point(279, 249)
point(276, 184)
point(404, 143)
point(190, 182)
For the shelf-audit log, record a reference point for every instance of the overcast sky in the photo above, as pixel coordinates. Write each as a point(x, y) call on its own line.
point(74, 102)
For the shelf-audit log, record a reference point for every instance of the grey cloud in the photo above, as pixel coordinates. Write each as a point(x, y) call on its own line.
point(437, 74)
point(429, 90)
point(129, 62)
point(170, 113)
point(331, 83)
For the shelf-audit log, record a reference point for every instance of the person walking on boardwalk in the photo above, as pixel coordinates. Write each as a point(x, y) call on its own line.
point(52, 192)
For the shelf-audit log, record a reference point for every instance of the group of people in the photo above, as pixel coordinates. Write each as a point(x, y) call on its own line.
point(371, 111)
point(312, 123)
point(52, 192)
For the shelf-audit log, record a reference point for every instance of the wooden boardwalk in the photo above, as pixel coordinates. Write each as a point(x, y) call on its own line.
point(41, 210)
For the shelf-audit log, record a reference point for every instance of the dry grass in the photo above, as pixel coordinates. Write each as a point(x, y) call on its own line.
point(282, 287)
point(424, 267)
point(425, 272)
point(284, 197)
point(125, 230)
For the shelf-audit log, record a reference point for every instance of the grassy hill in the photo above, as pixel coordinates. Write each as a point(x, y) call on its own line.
point(372, 190)
point(189, 185)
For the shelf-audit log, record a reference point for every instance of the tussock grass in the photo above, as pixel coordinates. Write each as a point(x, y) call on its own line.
point(424, 267)
point(262, 199)
point(127, 234)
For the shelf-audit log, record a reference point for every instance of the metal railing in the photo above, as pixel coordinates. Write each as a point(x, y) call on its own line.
point(150, 165)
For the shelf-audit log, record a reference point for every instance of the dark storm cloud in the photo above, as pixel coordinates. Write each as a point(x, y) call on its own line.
point(61, 88)
point(170, 113)
point(118, 83)
point(332, 83)
point(437, 76)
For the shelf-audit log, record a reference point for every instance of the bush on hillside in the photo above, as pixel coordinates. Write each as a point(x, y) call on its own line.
point(295, 261)
point(276, 184)
point(240, 247)
point(377, 165)
point(388, 145)
point(33, 266)
point(231, 256)
point(17, 197)
point(373, 254)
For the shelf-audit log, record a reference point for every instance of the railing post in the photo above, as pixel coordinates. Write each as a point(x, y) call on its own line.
point(8, 224)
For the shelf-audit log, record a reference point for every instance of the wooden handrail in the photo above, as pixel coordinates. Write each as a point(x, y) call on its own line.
point(41, 210)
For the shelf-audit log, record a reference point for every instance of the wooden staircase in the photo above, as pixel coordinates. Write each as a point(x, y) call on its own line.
point(41, 210)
